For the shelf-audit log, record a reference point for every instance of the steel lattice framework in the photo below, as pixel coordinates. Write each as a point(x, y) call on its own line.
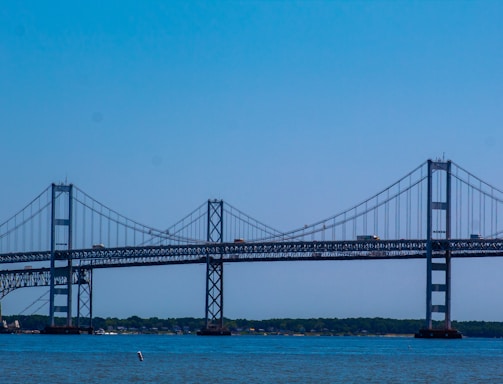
point(40, 277)
point(267, 251)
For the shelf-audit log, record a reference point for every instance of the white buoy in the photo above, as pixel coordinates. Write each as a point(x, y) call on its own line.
point(140, 355)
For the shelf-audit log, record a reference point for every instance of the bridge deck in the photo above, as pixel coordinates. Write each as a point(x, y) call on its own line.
point(270, 251)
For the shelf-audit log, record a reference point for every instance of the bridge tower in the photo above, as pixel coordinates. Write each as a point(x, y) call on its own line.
point(60, 299)
point(214, 308)
point(438, 271)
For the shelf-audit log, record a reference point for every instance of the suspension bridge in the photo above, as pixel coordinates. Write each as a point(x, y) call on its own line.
point(436, 212)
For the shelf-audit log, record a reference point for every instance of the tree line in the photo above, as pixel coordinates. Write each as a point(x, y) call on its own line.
point(324, 326)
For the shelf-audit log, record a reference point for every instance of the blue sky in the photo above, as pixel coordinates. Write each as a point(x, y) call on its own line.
point(290, 111)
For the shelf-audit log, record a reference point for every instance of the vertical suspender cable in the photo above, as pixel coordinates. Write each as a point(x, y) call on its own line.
point(420, 207)
point(92, 224)
point(409, 208)
point(365, 215)
point(201, 225)
point(100, 237)
point(31, 228)
point(496, 219)
point(480, 209)
point(84, 224)
point(109, 240)
point(461, 211)
point(134, 234)
point(235, 227)
point(354, 222)
point(344, 226)
point(397, 213)
point(117, 230)
point(376, 216)
point(15, 235)
point(461, 215)
point(40, 215)
point(472, 207)
point(74, 215)
point(492, 210)
point(48, 219)
point(457, 206)
point(386, 216)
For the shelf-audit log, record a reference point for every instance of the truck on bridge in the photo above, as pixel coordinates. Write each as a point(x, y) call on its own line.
point(367, 237)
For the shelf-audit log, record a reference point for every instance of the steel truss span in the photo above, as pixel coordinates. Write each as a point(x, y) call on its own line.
point(270, 251)
point(39, 277)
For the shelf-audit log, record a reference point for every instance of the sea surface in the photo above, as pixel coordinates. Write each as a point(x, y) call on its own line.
point(247, 359)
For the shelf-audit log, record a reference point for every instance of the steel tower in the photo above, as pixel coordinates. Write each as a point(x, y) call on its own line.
point(214, 309)
point(438, 272)
point(60, 300)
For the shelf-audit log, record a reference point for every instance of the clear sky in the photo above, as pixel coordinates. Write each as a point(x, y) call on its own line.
point(291, 111)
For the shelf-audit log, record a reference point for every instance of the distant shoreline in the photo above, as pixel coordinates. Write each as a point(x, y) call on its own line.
point(382, 327)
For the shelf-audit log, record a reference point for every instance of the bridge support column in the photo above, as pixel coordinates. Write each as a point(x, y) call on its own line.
point(214, 309)
point(438, 273)
point(85, 299)
point(60, 299)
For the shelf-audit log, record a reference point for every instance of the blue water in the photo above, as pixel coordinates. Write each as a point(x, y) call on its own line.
point(247, 359)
